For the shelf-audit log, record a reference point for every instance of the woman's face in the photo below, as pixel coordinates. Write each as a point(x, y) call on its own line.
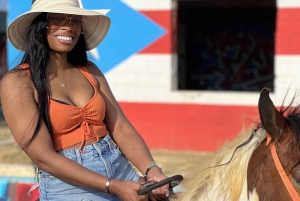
point(63, 31)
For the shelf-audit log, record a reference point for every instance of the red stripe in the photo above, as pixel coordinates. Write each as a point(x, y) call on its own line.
point(288, 31)
point(163, 44)
point(188, 127)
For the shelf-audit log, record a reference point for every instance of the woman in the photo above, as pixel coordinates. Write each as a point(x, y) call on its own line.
point(63, 114)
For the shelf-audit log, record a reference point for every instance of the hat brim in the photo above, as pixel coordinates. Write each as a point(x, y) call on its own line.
point(95, 29)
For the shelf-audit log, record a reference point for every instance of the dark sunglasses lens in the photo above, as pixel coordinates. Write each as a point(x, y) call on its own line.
point(76, 21)
point(56, 19)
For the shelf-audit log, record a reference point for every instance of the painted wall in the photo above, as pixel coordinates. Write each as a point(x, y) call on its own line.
point(196, 120)
point(138, 62)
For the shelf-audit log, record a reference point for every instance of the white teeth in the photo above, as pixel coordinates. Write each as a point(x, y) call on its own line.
point(64, 38)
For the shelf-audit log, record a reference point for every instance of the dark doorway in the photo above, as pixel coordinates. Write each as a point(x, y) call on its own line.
point(3, 49)
point(3, 54)
point(226, 47)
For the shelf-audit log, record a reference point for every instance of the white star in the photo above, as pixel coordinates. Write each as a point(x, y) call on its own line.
point(94, 52)
point(80, 3)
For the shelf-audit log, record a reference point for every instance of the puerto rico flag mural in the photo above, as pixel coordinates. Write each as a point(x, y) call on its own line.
point(139, 58)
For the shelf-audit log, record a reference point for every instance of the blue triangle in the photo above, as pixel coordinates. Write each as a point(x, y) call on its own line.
point(130, 32)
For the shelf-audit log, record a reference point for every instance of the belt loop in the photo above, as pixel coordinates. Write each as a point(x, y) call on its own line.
point(78, 156)
point(109, 141)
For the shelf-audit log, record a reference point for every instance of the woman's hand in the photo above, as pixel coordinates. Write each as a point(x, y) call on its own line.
point(155, 173)
point(154, 196)
point(162, 192)
point(127, 190)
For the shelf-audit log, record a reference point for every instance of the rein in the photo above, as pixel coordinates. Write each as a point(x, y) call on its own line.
point(287, 183)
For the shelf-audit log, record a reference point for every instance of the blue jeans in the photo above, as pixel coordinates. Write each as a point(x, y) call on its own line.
point(104, 158)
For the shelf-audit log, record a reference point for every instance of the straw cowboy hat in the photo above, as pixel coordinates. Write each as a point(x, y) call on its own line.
point(95, 29)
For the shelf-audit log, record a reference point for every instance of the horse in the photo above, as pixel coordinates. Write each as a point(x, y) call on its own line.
point(260, 164)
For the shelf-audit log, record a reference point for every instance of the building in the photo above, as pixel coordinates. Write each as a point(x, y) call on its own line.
point(188, 73)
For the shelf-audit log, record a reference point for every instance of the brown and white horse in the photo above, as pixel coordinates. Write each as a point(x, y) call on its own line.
point(251, 174)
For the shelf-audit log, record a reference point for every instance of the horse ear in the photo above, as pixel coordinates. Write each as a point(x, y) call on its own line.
point(271, 119)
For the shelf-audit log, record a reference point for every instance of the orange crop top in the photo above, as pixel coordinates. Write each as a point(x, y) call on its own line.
point(72, 124)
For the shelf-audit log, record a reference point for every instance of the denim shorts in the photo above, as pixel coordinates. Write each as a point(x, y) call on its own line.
point(104, 158)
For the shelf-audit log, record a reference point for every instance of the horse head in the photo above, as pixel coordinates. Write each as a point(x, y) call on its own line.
point(263, 176)
point(244, 169)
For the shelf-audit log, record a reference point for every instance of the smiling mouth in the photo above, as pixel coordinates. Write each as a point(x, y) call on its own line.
point(64, 38)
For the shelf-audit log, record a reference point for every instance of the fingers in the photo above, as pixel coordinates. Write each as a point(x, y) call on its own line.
point(127, 191)
point(167, 192)
point(154, 196)
point(162, 190)
point(143, 198)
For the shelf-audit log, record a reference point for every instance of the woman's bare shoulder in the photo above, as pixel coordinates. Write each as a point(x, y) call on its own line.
point(15, 81)
point(93, 69)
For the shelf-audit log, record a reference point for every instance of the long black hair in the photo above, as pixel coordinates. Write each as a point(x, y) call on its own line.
point(36, 56)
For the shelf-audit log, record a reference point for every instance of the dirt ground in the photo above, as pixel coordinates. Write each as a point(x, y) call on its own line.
point(172, 162)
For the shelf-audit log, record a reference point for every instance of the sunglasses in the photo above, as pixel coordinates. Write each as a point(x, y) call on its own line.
point(57, 20)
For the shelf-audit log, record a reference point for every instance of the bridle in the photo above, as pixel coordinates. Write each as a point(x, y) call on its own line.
point(287, 183)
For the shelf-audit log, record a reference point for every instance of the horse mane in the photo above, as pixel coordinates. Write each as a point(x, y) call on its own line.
point(214, 181)
point(292, 118)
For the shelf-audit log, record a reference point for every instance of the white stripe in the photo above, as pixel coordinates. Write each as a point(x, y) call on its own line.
point(288, 3)
point(148, 78)
point(287, 74)
point(149, 4)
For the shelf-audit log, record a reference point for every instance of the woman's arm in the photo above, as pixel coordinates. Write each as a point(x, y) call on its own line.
point(122, 131)
point(21, 113)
